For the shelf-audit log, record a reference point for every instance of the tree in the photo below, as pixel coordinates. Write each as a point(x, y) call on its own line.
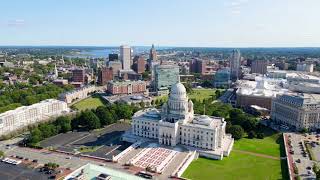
point(145, 75)
point(63, 123)
point(104, 116)
point(35, 136)
point(218, 93)
point(48, 130)
point(188, 87)
point(260, 135)
point(251, 135)
point(142, 105)
point(206, 83)
point(124, 111)
point(236, 131)
point(89, 120)
point(1, 154)
point(316, 170)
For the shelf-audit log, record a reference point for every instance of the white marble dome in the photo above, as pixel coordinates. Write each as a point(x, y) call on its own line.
point(178, 91)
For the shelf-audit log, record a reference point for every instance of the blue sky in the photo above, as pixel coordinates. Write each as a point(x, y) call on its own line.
point(206, 23)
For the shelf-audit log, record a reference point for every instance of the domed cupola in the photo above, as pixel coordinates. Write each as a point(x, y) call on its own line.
point(178, 92)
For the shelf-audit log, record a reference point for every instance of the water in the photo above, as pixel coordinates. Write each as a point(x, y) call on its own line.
point(103, 53)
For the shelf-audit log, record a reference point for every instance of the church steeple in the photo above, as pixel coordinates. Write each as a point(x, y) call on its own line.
point(55, 71)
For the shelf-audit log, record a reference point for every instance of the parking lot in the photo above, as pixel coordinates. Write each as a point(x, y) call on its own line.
point(301, 158)
point(9, 171)
point(102, 143)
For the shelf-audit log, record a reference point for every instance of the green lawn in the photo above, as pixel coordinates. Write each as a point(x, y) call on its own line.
point(198, 94)
point(201, 94)
point(236, 166)
point(89, 103)
point(267, 146)
point(243, 166)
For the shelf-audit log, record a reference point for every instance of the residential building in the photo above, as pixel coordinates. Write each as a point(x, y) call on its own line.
point(60, 82)
point(126, 87)
point(259, 66)
point(125, 57)
point(26, 115)
point(297, 110)
point(115, 65)
point(139, 64)
point(78, 75)
point(77, 94)
point(105, 75)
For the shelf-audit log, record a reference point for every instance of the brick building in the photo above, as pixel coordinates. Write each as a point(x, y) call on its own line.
point(126, 87)
point(105, 75)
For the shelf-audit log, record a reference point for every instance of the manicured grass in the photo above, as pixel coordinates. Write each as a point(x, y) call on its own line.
point(240, 165)
point(267, 146)
point(198, 94)
point(89, 103)
point(236, 166)
point(201, 94)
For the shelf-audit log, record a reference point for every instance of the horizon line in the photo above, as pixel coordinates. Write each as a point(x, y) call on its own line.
point(167, 46)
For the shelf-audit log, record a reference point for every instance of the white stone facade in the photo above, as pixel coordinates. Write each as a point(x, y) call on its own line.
point(297, 111)
point(80, 93)
point(26, 115)
point(177, 124)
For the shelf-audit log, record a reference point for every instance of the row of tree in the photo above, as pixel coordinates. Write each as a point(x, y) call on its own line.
point(239, 123)
point(86, 120)
point(23, 95)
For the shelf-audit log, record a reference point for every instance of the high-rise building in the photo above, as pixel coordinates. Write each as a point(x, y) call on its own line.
point(166, 76)
point(235, 64)
point(222, 78)
point(115, 65)
point(153, 54)
point(139, 64)
point(201, 66)
point(105, 75)
point(125, 56)
point(113, 57)
point(78, 75)
point(259, 66)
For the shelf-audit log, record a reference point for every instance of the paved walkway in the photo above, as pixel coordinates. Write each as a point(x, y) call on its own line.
point(257, 154)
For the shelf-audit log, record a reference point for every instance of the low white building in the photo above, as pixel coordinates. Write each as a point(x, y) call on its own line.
point(79, 93)
point(23, 116)
point(297, 110)
point(176, 124)
point(307, 67)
